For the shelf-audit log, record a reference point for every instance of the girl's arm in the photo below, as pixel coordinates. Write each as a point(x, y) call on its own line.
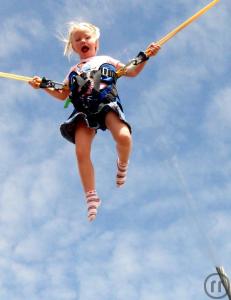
point(153, 49)
point(61, 94)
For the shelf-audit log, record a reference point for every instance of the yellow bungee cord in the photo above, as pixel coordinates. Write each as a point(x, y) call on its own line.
point(122, 71)
point(171, 34)
point(16, 77)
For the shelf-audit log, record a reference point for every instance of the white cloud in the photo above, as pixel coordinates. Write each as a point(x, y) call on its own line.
point(217, 122)
point(17, 33)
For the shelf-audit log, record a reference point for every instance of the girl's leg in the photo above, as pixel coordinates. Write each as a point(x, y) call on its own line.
point(123, 139)
point(83, 141)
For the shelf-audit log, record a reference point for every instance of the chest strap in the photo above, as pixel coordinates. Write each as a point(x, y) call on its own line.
point(79, 83)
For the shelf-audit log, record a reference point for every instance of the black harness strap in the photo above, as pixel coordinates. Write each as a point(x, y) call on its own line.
point(80, 83)
point(97, 79)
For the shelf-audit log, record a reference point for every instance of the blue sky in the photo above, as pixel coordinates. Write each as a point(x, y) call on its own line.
point(161, 235)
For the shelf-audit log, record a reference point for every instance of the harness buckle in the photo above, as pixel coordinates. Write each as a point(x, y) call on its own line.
point(47, 83)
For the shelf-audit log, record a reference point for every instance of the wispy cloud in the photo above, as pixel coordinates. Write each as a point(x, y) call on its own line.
point(17, 33)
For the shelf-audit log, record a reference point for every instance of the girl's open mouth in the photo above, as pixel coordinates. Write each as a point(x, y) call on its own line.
point(84, 49)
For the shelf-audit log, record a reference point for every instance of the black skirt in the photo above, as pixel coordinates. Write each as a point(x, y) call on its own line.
point(92, 120)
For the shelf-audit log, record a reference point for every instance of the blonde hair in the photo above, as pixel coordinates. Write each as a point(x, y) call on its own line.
point(72, 27)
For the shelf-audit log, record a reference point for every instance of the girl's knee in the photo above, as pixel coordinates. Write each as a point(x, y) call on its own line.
point(124, 138)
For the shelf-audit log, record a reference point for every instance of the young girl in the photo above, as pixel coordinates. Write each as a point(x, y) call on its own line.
point(91, 86)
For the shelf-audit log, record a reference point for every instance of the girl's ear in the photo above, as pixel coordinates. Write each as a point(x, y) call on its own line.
point(97, 45)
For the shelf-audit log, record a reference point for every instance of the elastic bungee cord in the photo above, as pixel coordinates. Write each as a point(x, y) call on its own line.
point(46, 83)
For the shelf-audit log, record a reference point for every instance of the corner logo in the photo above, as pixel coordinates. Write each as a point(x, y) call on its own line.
point(213, 286)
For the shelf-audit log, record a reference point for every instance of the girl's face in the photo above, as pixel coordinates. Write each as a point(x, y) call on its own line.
point(84, 42)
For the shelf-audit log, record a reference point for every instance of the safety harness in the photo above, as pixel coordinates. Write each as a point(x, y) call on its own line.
point(80, 84)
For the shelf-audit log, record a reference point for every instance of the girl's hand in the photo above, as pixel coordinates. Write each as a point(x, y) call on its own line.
point(35, 82)
point(153, 49)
